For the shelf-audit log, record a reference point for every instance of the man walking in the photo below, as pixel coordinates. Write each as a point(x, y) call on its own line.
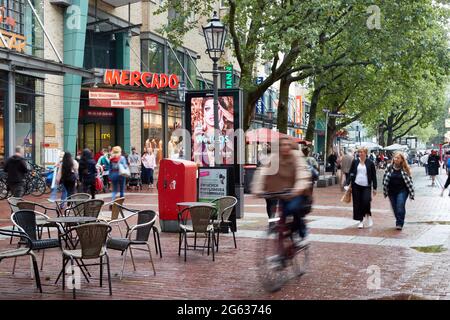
point(17, 168)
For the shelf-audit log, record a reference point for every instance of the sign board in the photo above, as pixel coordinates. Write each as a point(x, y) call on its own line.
point(122, 99)
point(212, 183)
point(299, 110)
point(138, 79)
point(50, 129)
point(14, 41)
point(229, 77)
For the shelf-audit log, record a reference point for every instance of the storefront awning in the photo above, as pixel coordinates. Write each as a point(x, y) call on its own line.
point(13, 61)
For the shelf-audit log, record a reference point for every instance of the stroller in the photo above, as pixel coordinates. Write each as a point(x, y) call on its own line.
point(135, 180)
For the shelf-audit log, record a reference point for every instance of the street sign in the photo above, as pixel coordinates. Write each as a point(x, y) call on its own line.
point(336, 115)
point(260, 103)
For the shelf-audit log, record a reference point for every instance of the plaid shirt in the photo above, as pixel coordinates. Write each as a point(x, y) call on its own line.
point(387, 178)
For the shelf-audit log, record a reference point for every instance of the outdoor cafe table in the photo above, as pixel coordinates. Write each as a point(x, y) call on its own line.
point(63, 221)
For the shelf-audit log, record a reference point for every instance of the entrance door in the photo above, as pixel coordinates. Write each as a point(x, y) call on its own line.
point(96, 136)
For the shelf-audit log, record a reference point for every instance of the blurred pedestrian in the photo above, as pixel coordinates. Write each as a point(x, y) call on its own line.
point(424, 160)
point(346, 164)
point(135, 162)
point(332, 158)
point(87, 172)
point(68, 174)
point(433, 166)
point(398, 185)
point(362, 177)
point(16, 168)
point(292, 174)
point(103, 161)
point(148, 164)
point(118, 180)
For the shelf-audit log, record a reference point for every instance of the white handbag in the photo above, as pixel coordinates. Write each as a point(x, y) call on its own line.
point(124, 171)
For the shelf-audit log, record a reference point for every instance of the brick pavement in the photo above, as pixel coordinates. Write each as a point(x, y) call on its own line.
point(338, 268)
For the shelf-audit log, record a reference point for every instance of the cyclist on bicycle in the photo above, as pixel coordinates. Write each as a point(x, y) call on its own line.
point(292, 174)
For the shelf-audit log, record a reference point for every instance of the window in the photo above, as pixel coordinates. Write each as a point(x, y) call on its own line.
point(153, 132)
point(99, 52)
point(191, 71)
point(155, 56)
point(174, 64)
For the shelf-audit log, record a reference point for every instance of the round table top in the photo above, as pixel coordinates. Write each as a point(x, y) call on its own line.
point(192, 204)
point(72, 219)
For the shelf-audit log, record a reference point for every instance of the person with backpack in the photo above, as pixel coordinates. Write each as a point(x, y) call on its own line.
point(119, 170)
point(87, 172)
point(67, 174)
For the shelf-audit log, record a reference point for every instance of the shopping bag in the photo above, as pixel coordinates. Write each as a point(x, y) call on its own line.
point(98, 184)
point(347, 197)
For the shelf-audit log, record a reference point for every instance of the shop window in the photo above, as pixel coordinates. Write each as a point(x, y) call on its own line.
point(153, 132)
point(175, 144)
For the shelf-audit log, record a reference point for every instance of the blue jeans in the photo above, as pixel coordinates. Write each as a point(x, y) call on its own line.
point(292, 207)
point(398, 202)
point(118, 182)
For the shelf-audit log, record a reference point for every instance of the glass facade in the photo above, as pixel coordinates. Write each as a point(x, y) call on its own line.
point(99, 51)
point(153, 132)
point(174, 121)
point(153, 54)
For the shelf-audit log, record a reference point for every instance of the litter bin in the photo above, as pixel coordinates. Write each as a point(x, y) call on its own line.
point(177, 182)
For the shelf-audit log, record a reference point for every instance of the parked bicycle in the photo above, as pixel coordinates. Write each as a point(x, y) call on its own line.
point(35, 182)
point(280, 258)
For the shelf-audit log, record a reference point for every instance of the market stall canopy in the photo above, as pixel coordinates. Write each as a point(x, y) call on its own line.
point(371, 145)
point(268, 135)
point(396, 146)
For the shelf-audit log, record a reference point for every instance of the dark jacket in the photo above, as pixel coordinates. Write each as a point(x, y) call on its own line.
point(16, 167)
point(87, 168)
point(371, 173)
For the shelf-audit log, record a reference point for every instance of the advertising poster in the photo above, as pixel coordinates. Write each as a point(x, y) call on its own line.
point(212, 183)
point(202, 128)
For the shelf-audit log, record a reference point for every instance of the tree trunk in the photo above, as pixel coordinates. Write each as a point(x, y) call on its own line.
point(283, 105)
point(331, 133)
point(312, 114)
point(390, 130)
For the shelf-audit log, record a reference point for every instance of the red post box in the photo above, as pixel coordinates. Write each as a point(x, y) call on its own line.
point(177, 182)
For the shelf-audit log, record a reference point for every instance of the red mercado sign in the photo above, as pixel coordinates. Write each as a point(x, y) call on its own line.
point(122, 99)
point(138, 79)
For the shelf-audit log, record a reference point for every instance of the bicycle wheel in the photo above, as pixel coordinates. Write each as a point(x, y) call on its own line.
point(300, 261)
point(271, 271)
point(3, 190)
point(38, 187)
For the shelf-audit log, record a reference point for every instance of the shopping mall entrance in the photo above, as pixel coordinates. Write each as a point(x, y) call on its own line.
point(96, 129)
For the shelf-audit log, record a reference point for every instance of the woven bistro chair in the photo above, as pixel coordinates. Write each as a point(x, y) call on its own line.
point(89, 208)
point(115, 211)
point(19, 252)
point(40, 221)
point(201, 223)
point(124, 212)
point(26, 221)
point(225, 206)
point(92, 237)
point(137, 235)
point(12, 201)
point(67, 204)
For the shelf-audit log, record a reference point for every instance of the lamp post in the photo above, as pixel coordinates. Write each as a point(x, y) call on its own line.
point(215, 34)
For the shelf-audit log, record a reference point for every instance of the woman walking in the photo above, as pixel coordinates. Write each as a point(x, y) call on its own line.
point(67, 174)
point(87, 172)
point(149, 164)
point(433, 166)
point(118, 181)
point(362, 177)
point(398, 185)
